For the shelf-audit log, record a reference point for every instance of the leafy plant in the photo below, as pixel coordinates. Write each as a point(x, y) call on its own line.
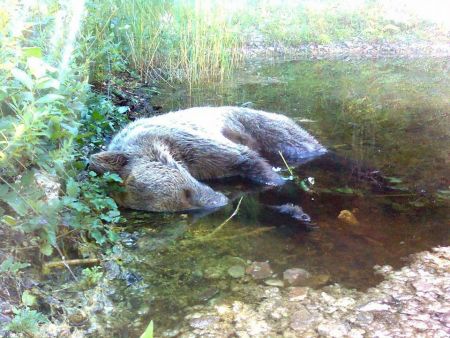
point(91, 276)
point(45, 123)
point(26, 321)
point(9, 266)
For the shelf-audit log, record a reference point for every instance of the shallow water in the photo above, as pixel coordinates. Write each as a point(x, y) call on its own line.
point(388, 126)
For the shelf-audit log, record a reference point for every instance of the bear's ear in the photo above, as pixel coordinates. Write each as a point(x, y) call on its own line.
point(162, 154)
point(112, 161)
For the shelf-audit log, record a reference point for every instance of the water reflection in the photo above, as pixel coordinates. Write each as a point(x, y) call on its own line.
point(388, 125)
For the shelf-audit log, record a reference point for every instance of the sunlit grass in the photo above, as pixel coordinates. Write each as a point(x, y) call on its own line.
point(174, 40)
point(193, 40)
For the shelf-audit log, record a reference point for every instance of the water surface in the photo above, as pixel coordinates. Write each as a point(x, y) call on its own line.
point(387, 124)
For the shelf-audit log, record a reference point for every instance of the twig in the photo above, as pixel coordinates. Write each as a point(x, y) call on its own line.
point(64, 262)
point(68, 263)
point(285, 163)
point(220, 227)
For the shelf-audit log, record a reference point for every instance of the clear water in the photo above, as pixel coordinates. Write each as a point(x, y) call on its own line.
point(390, 116)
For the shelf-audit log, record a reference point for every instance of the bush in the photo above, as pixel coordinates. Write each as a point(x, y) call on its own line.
point(47, 128)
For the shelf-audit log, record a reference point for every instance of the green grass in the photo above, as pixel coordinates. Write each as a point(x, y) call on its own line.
point(170, 40)
point(48, 120)
point(194, 40)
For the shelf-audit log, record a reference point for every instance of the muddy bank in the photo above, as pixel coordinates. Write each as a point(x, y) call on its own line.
point(352, 49)
point(411, 302)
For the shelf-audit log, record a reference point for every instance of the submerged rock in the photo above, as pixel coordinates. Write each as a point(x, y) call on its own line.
point(259, 270)
point(301, 319)
point(333, 329)
point(297, 293)
point(347, 216)
point(274, 282)
point(296, 276)
point(318, 280)
point(236, 271)
point(203, 322)
point(394, 308)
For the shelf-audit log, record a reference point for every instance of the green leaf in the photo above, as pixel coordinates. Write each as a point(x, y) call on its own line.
point(72, 188)
point(112, 177)
point(16, 202)
point(3, 190)
point(123, 109)
point(32, 51)
point(37, 67)
point(112, 236)
point(99, 238)
point(148, 333)
point(22, 77)
point(49, 98)
point(47, 82)
point(46, 249)
point(9, 220)
point(8, 265)
point(28, 299)
point(71, 129)
point(51, 236)
point(97, 116)
point(27, 180)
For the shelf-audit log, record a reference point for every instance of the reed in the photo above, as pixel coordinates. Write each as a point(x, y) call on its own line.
point(175, 40)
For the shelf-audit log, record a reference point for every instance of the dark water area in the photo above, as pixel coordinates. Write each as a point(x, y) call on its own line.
point(387, 125)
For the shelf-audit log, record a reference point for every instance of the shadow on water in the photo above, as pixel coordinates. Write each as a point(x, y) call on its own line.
point(387, 122)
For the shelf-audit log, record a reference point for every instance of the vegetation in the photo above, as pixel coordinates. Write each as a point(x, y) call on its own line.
point(194, 40)
point(296, 22)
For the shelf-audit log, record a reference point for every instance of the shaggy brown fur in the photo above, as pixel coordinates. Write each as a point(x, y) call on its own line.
point(162, 158)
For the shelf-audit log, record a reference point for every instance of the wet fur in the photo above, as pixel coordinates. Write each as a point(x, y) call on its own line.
point(201, 144)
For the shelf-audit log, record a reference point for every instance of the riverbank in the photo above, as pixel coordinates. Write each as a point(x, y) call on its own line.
point(353, 49)
point(411, 302)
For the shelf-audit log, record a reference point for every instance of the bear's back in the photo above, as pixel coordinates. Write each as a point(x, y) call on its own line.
point(193, 123)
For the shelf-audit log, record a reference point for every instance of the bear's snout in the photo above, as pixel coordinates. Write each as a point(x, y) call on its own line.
point(207, 198)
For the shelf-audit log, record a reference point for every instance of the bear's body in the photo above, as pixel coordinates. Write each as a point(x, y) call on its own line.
point(160, 159)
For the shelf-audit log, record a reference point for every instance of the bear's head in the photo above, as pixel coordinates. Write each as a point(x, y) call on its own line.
point(154, 181)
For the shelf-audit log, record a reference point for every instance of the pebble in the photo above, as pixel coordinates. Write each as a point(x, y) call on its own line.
point(296, 276)
point(301, 319)
point(203, 322)
point(297, 293)
point(347, 216)
point(236, 271)
point(259, 270)
point(332, 329)
point(374, 306)
point(319, 280)
point(274, 282)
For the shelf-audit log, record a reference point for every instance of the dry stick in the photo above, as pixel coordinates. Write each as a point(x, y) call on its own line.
point(285, 163)
point(220, 227)
point(64, 263)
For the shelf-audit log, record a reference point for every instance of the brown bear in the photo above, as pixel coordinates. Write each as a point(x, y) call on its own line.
point(161, 159)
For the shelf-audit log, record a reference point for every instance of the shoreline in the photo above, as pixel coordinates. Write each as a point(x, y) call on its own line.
point(355, 49)
point(413, 301)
